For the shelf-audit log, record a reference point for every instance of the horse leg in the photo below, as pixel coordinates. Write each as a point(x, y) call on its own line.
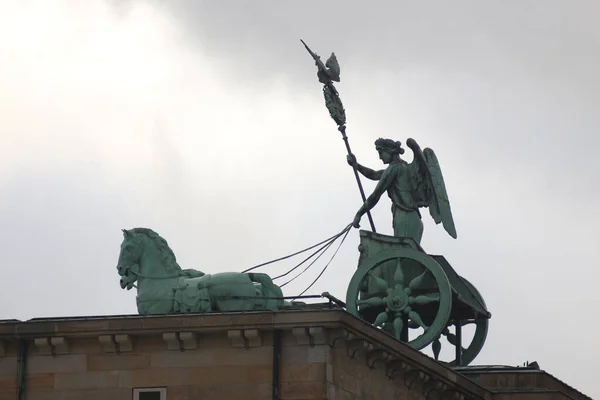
point(156, 307)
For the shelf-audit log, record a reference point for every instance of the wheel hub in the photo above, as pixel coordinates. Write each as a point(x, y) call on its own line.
point(397, 300)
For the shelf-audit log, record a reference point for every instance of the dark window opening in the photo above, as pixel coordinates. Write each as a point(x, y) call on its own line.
point(150, 395)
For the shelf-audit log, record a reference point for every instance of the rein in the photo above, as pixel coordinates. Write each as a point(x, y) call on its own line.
point(134, 270)
point(139, 275)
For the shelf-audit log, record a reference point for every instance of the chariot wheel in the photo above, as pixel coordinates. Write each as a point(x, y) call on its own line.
point(481, 329)
point(414, 294)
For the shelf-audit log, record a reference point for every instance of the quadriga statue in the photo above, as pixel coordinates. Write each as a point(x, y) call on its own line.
point(147, 263)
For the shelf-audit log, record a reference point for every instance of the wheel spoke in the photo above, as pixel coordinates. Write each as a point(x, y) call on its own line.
point(380, 284)
point(417, 318)
point(426, 299)
point(371, 302)
point(381, 319)
point(407, 291)
point(398, 325)
point(399, 274)
point(364, 285)
point(417, 281)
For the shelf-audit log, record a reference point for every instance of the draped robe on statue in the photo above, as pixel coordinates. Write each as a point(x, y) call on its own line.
point(397, 180)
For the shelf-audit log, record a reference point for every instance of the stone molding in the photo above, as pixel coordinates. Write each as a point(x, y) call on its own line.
point(180, 340)
point(361, 349)
point(310, 336)
point(52, 345)
point(362, 342)
point(398, 368)
point(245, 338)
point(116, 343)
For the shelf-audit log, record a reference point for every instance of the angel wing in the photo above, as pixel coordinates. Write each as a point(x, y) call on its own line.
point(429, 187)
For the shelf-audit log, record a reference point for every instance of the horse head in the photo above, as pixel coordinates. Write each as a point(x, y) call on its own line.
point(129, 259)
point(145, 254)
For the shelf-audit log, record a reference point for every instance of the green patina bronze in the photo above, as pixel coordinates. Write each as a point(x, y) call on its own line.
point(399, 288)
point(414, 296)
point(327, 74)
point(163, 287)
point(397, 296)
point(409, 186)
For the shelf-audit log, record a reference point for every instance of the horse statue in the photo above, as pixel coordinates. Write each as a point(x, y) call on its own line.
point(164, 288)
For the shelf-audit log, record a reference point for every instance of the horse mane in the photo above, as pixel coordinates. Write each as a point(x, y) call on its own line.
point(167, 255)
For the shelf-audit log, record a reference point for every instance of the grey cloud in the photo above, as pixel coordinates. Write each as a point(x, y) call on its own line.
point(506, 94)
point(509, 87)
point(251, 168)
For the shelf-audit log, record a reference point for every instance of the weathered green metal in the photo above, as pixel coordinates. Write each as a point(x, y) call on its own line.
point(163, 287)
point(401, 289)
point(397, 287)
point(409, 186)
point(481, 329)
point(469, 308)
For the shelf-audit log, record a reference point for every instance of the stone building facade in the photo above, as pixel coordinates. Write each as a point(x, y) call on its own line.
point(302, 355)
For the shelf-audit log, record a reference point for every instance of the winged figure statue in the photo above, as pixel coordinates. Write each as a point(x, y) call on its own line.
point(410, 187)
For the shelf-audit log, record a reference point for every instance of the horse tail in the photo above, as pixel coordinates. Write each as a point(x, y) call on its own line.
point(269, 288)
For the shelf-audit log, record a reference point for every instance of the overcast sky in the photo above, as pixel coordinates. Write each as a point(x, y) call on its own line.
point(204, 121)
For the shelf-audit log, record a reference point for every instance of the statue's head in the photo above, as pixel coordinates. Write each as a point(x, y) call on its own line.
point(388, 149)
point(131, 251)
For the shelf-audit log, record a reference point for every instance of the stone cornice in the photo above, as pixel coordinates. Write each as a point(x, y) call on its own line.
point(551, 383)
point(363, 342)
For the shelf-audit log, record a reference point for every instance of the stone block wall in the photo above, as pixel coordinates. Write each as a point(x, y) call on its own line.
point(214, 368)
point(219, 365)
point(324, 355)
point(354, 378)
point(523, 383)
point(8, 373)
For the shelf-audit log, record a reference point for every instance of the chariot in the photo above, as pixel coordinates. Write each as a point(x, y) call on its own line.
point(416, 297)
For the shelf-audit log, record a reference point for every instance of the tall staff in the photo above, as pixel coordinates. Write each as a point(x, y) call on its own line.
point(327, 74)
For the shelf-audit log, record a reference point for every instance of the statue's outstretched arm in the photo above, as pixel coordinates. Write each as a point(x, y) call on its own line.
point(384, 183)
point(365, 171)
